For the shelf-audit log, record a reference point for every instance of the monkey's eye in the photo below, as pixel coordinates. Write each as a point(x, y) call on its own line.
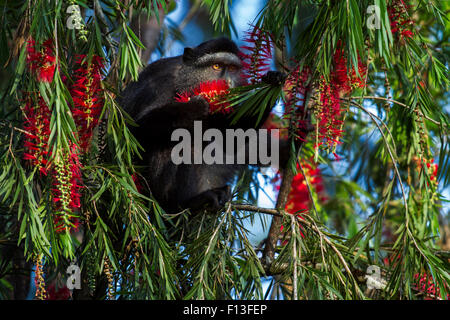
point(217, 67)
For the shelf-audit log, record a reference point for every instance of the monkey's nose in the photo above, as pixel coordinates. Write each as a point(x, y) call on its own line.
point(231, 83)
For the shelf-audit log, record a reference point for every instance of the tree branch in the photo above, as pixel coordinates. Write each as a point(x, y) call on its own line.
point(285, 187)
point(395, 102)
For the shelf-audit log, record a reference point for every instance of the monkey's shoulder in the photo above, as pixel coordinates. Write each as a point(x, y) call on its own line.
point(161, 69)
point(154, 87)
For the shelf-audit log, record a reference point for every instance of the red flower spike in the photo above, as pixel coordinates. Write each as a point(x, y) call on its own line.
point(183, 97)
point(347, 81)
point(37, 127)
point(295, 90)
point(330, 113)
point(298, 200)
point(430, 167)
point(401, 23)
point(42, 62)
point(256, 56)
point(66, 191)
point(87, 96)
point(212, 92)
point(62, 293)
point(424, 283)
point(137, 183)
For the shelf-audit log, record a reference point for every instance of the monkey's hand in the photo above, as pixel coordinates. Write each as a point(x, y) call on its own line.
point(213, 199)
point(275, 78)
point(197, 108)
point(200, 107)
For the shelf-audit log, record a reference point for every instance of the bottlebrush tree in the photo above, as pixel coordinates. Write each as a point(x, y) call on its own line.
point(364, 109)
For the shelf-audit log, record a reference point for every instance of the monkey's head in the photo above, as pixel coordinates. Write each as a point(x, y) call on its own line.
point(212, 60)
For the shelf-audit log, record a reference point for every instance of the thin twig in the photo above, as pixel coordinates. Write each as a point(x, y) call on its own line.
point(400, 104)
point(248, 207)
point(294, 249)
point(10, 146)
point(398, 176)
point(381, 121)
point(397, 173)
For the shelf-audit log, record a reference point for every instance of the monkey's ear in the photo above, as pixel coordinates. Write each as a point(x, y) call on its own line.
point(188, 54)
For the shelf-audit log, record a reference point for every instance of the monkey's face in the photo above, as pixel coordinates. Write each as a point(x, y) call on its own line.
point(220, 69)
point(212, 66)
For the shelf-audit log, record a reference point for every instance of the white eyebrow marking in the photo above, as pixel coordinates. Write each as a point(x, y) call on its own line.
point(225, 57)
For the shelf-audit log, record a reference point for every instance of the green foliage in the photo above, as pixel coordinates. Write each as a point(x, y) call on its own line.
point(384, 207)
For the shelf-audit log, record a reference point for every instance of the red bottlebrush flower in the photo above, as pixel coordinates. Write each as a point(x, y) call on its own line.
point(87, 96)
point(137, 182)
point(400, 21)
point(62, 293)
point(299, 200)
point(42, 62)
point(425, 284)
point(183, 97)
point(33, 57)
point(329, 113)
point(430, 168)
point(37, 128)
point(256, 55)
point(340, 74)
point(406, 34)
point(347, 81)
point(213, 92)
point(295, 90)
point(66, 190)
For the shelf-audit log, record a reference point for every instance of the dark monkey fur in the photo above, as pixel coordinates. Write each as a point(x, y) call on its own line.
point(151, 103)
